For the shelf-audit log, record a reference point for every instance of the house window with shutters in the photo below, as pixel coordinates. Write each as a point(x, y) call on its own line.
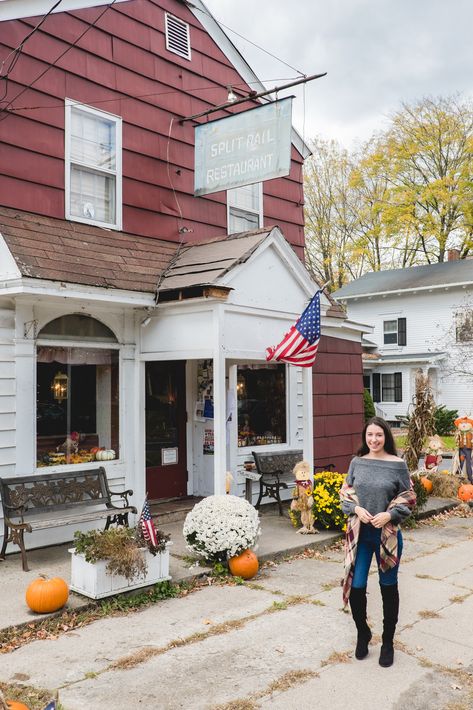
point(387, 387)
point(395, 332)
point(177, 36)
point(93, 154)
point(464, 326)
point(245, 208)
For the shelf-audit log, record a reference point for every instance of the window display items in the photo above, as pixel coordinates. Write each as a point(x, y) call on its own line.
point(261, 399)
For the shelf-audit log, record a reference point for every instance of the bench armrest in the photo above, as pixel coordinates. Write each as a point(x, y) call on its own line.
point(122, 494)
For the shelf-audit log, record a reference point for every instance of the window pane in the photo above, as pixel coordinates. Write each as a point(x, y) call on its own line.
point(246, 197)
point(240, 221)
point(92, 195)
point(464, 326)
point(261, 393)
point(77, 404)
point(93, 140)
point(388, 388)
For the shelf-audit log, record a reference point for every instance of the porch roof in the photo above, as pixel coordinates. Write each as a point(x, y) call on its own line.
point(60, 250)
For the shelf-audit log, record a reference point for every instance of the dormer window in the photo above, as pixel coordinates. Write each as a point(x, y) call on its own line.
point(93, 166)
point(177, 36)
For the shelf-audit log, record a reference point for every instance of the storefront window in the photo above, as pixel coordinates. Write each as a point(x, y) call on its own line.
point(77, 403)
point(261, 393)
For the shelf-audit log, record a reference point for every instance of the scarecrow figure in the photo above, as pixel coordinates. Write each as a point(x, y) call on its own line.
point(303, 501)
point(464, 442)
point(433, 454)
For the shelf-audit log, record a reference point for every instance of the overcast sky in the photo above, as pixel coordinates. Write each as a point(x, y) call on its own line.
point(377, 53)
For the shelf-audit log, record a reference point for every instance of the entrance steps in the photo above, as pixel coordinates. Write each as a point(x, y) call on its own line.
point(171, 511)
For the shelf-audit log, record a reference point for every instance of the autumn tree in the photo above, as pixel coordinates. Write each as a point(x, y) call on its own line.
point(331, 215)
point(426, 158)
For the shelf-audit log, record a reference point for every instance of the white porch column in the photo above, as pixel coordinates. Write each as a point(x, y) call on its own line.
point(220, 450)
point(308, 420)
point(25, 372)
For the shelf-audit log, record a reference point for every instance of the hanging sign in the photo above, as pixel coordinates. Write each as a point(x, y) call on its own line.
point(245, 148)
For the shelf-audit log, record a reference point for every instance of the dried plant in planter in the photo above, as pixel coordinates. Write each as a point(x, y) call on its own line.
point(122, 547)
point(421, 421)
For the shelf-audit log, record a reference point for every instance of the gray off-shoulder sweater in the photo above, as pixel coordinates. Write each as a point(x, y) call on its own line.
point(377, 482)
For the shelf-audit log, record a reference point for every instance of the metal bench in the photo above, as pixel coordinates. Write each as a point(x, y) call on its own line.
point(275, 473)
point(41, 501)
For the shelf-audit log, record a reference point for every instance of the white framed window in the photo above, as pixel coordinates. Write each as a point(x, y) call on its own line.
point(177, 36)
point(93, 162)
point(245, 208)
point(464, 326)
point(394, 332)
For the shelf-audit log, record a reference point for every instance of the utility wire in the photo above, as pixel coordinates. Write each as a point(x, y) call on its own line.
point(208, 87)
point(4, 109)
point(246, 39)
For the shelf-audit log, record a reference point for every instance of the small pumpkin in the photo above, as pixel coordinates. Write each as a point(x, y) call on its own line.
point(16, 705)
point(427, 483)
point(465, 492)
point(105, 455)
point(244, 565)
point(46, 595)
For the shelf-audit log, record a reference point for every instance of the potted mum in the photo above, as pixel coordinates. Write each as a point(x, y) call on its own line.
point(106, 562)
point(221, 527)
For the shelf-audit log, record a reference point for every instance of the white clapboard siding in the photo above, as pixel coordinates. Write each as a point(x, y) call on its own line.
point(430, 328)
point(7, 391)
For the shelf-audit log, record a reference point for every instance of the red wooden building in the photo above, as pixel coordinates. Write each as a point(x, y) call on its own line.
point(97, 207)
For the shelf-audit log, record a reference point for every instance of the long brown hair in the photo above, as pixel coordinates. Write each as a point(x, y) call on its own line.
point(389, 445)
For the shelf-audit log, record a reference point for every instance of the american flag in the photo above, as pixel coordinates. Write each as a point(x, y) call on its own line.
point(299, 345)
point(50, 706)
point(147, 526)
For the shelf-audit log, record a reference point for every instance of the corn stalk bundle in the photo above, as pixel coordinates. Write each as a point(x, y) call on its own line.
point(421, 421)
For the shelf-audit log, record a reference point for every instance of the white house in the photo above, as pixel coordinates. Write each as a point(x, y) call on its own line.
point(423, 321)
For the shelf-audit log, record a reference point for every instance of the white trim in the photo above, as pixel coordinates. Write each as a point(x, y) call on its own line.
point(397, 292)
point(14, 9)
point(116, 174)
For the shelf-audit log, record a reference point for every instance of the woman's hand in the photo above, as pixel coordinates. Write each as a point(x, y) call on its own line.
point(377, 521)
point(363, 514)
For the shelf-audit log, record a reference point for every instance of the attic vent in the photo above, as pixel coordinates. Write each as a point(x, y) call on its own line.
point(177, 36)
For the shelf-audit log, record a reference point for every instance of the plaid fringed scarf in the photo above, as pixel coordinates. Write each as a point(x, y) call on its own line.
point(388, 552)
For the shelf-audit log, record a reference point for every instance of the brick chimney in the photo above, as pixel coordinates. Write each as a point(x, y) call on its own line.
point(453, 254)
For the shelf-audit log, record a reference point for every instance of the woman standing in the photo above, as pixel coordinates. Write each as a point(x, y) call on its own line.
point(377, 495)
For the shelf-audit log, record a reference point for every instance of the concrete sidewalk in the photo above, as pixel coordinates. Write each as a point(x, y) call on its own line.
point(278, 539)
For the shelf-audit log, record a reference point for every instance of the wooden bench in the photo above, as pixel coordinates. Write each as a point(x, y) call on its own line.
point(47, 500)
point(275, 473)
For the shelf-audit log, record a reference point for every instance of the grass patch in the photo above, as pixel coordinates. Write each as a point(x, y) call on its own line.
point(459, 598)
point(337, 657)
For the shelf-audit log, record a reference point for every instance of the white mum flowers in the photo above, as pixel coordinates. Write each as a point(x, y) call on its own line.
point(220, 527)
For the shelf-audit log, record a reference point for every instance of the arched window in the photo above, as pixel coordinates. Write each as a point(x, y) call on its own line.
point(77, 391)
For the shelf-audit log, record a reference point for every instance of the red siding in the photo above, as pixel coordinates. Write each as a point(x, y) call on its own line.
point(338, 402)
point(121, 66)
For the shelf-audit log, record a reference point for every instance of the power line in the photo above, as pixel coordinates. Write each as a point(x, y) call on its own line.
point(4, 109)
point(207, 87)
point(245, 38)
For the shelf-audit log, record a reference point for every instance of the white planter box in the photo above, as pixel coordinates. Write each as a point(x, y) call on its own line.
point(93, 580)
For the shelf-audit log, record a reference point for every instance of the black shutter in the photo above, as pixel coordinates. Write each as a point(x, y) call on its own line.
point(376, 380)
point(398, 386)
point(401, 332)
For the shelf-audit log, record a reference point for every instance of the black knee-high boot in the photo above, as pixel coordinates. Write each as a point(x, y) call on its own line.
point(390, 596)
point(358, 610)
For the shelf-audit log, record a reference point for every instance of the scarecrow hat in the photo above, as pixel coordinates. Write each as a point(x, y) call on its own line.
point(461, 420)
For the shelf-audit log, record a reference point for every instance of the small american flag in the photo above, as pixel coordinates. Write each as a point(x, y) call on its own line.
point(299, 345)
point(147, 526)
point(50, 706)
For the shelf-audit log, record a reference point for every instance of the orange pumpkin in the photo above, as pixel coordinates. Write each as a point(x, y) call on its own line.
point(465, 492)
point(46, 595)
point(15, 705)
point(244, 565)
point(427, 483)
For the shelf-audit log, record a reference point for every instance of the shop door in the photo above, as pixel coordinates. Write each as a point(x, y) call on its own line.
point(165, 417)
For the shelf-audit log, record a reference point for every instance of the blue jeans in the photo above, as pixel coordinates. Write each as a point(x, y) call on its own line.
point(369, 542)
